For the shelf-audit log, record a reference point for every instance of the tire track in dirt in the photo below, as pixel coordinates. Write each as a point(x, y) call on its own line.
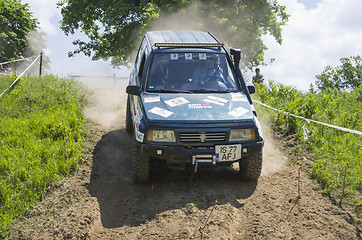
point(100, 202)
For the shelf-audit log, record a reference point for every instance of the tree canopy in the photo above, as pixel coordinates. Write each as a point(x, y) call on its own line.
point(114, 28)
point(15, 23)
point(346, 76)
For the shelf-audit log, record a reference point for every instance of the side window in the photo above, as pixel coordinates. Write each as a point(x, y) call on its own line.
point(141, 51)
point(140, 61)
point(141, 64)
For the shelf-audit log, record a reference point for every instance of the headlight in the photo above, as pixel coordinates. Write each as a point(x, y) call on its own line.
point(242, 134)
point(161, 136)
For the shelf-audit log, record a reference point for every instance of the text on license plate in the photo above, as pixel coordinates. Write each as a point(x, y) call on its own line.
point(228, 152)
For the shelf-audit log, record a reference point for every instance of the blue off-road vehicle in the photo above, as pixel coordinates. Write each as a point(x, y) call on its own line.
point(188, 106)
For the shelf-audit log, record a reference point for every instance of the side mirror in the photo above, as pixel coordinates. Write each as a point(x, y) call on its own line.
point(133, 90)
point(251, 89)
point(236, 53)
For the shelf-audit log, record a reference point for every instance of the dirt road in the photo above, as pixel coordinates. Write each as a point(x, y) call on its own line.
point(100, 202)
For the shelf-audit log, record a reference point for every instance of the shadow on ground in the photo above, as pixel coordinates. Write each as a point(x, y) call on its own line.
point(124, 203)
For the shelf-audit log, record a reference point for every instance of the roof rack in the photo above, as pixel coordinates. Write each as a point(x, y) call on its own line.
point(189, 45)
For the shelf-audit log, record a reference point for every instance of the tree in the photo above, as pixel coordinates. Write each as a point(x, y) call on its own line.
point(311, 88)
point(15, 23)
point(346, 76)
point(114, 28)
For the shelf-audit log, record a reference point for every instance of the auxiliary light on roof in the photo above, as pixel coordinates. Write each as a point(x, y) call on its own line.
point(189, 44)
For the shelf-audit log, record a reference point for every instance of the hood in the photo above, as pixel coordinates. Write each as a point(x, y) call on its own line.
point(197, 106)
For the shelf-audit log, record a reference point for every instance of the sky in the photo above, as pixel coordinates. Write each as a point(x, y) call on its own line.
point(318, 34)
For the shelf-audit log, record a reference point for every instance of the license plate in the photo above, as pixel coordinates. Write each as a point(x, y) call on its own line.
point(228, 152)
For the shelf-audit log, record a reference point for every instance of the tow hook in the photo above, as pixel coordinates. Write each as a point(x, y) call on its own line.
point(203, 159)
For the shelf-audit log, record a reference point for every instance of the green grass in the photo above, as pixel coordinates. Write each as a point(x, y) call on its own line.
point(336, 155)
point(42, 139)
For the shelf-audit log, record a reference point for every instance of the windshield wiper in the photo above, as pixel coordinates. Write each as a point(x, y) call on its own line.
point(204, 90)
point(170, 91)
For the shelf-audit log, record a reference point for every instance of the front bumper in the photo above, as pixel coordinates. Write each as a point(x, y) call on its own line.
point(176, 154)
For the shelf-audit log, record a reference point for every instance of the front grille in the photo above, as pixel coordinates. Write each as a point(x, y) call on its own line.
point(202, 137)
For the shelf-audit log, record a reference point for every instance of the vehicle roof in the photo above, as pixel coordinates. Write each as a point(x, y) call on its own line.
point(181, 36)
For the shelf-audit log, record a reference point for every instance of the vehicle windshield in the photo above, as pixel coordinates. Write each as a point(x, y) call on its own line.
point(190, 72)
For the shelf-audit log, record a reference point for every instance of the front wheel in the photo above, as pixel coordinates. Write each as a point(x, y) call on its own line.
point(140, 165)
point(250, 167)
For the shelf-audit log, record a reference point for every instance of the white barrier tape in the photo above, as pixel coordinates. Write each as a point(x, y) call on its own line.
point(306, 131)
point(310, 120)
point(18, 60)
point(20, 76)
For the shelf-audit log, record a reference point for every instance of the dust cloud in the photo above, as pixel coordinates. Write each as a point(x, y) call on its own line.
point(107, 106)
point(188, 19)
point(273, 157)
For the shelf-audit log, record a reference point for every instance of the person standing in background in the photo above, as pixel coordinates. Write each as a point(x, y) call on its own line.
point(258, 78)
point(2, 69)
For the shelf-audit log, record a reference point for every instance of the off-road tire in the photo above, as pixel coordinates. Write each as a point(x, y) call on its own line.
point(250, 167)
point(129, 123)
point(140, 165)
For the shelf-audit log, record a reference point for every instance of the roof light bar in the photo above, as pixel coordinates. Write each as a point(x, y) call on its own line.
point(189, 45)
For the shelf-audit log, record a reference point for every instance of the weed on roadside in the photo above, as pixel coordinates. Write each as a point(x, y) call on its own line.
point(42, 139)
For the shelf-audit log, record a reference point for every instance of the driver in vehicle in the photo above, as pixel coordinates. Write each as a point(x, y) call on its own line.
point(208, 75)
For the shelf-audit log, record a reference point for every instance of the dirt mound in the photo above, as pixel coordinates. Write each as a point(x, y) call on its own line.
point(100, 202)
